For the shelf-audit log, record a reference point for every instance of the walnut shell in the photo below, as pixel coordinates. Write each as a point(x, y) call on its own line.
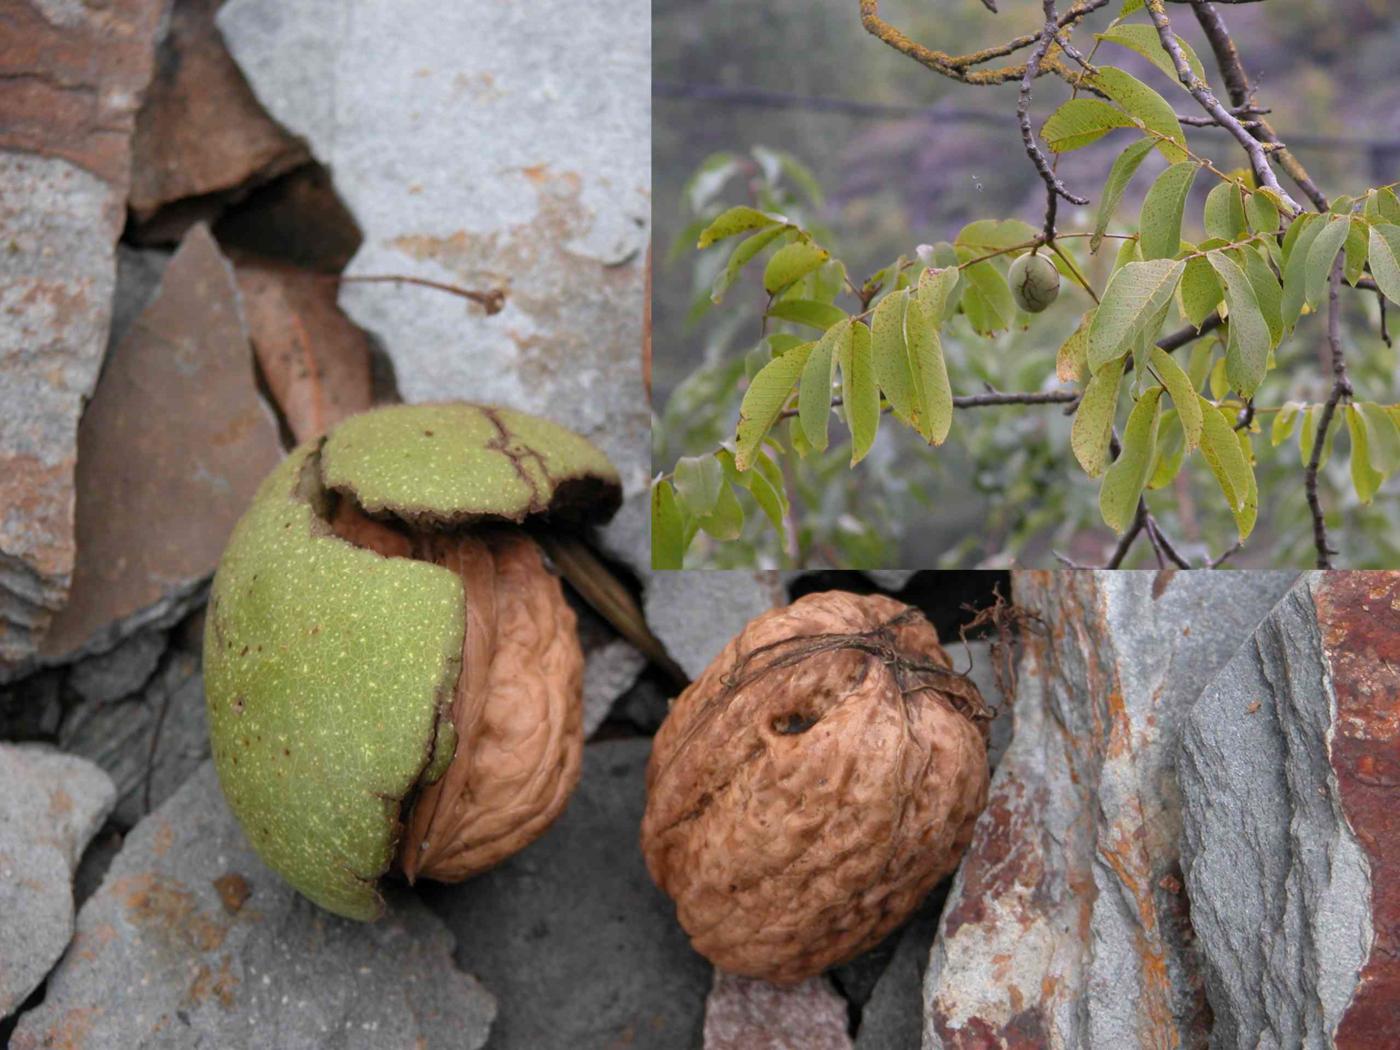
point(1034, 281)
point(392, 675)
point(809, 789)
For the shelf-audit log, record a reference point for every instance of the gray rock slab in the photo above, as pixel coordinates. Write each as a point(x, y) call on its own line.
point(149, 742)
point(1068, 923)
point(74, 77)
point(695, 614)
point(1280, 887)
point(489, 147)
point(51, 805)
point(192, 942)
point(119, 672)
point(742, 1013)
point(580, 948)
point(609, 672)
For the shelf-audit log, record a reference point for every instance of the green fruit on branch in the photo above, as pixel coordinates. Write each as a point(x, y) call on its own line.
point(813, 784)
point(1035, 283)
point(393, 676)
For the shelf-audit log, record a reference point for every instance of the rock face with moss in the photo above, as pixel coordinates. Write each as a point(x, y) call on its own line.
point(393, 675)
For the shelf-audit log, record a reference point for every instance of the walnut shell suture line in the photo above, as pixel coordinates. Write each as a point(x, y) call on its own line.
point(798, 813)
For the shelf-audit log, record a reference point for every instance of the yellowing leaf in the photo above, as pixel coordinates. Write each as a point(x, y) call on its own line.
point(764, 400)
point(1127, 476)
point(1093, 419)
point(735, 221)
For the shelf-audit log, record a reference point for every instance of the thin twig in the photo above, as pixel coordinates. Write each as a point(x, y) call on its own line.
point(1054, 188)
point(492, 301)
point(1201, 92)
point(1341, 387)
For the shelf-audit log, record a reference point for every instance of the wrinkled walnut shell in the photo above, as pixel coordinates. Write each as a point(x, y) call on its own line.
point(392, 674)
point(809, 789)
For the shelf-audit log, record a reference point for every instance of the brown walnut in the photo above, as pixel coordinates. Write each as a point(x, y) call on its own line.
point(809, 789)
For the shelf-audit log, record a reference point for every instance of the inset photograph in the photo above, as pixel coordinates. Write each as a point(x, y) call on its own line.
point(1025, 284)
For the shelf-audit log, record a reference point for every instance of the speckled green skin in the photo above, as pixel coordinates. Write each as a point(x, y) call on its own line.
point(457, 462)
point(327, 666)
point(1035, 283)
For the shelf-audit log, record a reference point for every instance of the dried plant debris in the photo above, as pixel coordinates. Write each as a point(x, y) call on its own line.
point(813, 784)
point(393, 676)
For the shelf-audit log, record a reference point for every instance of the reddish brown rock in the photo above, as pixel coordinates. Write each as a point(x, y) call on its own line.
point(1359, 613)
point(71, 79)
point(746, 1014)
point(171, 448)
point(201, 131)
point(315, 361)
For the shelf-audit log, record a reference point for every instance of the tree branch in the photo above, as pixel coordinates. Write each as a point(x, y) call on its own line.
point(1227, 57)
point(1201, 92)
point(1341, 387)
point(1054, 188)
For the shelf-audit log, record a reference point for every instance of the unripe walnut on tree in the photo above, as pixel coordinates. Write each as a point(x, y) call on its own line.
point(813, 784)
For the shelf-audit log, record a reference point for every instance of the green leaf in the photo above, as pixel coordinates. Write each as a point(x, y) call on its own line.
point(1144, 40)
point(1136, 294)
point(1364, 478)
point(736, 221)
point(1382, 437)
point(791, 263)
point(1171, 451)
point(1296, 247)
point(1284, 421)
point(1247, 354)
point(1160, 220)
point(1141, 102)
point(993, 235)
point(1080, 122)
point(1248, 513)
point(1388, 204)
point(1385, 260)
point(891, 358)
point(810, 312)
point(1072, 361)
point(929, 372)
point(1321, 256)
point(1267, 293)
point(1093, 419)
point(1183, 394)
point(667, 528)
point(1224, 215)
point(1224, 457)
point(741, 256)
point(1127, 476)
point(1357, 243)
point(764, 482)
point(936, 288)
point(1262, 213)
point(986, 298)
point(859, 392)
point(1200, 290)
point(814, 391)
point(698, 481)
point(1124, 168)
point(764, 400)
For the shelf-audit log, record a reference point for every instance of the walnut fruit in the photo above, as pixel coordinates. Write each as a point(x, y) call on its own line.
point(393, 676)
point(1035, 283)
point(807, 791)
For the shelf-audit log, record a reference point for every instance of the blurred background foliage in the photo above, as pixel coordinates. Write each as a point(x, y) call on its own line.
point(791, 105)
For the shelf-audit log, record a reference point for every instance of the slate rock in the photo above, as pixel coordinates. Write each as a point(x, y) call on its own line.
point(200, 131)
point(580, 948)
point(71, 79)
point(192, 942)
point(892, 1017)
point(149, 742)
point(509, 150)
point(695, 614)
point(1289, 766)
point(119, 672)
point(171, 448)
point(1067, 923)
point(51, 804)
point(742, 1013)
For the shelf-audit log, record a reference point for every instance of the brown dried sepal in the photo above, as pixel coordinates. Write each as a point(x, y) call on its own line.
point(516, 707)
point(809, 789)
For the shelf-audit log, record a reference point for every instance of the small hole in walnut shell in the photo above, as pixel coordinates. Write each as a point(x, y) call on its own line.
point(794, 723)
